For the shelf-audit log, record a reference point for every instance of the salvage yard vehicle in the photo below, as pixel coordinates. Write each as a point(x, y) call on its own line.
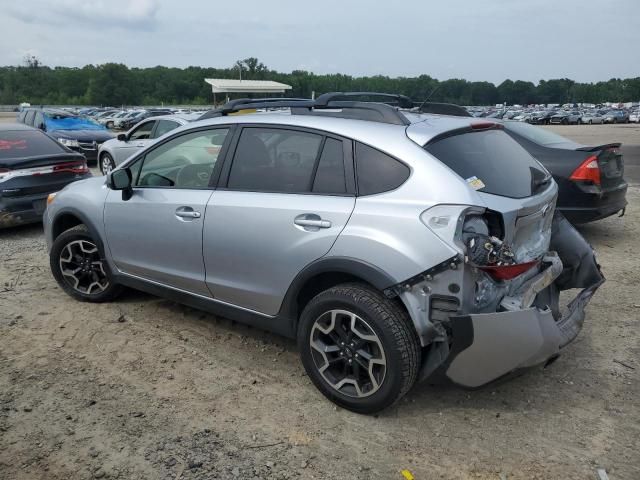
point(590, 179)
point(566, 118)
point(73, 131)
point(395, 245)
point(616, 116)
point(32, 165)
point(591, 118)
point(115, 151)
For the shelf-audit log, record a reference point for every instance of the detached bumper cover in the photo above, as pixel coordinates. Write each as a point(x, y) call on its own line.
point(490, 345)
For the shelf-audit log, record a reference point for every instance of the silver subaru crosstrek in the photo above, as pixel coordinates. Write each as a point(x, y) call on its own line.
point(395, 245)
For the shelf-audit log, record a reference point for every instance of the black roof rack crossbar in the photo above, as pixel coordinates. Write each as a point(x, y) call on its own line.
point(241, 101)
point(401, 101)
point(371, 111)
point(238, 104)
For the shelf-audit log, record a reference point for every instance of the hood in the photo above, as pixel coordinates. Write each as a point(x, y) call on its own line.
point(82, 135)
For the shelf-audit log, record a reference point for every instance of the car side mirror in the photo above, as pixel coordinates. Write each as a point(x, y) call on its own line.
point(122, 137)
point(120, 179)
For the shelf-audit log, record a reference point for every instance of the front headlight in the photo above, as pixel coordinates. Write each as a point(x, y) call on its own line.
point(67, 142)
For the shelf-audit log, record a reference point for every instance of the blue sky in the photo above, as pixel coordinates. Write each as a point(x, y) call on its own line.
point(586, 40)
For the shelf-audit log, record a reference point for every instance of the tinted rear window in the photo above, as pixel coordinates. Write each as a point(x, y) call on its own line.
point(19, 144)
point(494, 158)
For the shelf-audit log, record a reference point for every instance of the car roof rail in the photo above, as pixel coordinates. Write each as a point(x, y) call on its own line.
point(401, 101)
point(327, 104)
point(371, 111)
point(443, 109)
point(238, 104)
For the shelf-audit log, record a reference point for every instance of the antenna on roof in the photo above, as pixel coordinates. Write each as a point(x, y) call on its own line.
point(428, 97)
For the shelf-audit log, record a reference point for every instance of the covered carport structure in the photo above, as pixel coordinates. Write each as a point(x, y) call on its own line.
point(227, 86)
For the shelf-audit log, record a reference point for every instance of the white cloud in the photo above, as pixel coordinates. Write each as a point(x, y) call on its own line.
point(78, 13)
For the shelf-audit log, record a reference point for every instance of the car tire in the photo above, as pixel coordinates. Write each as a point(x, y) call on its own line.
point(590, 122)
point(106, 163)
point(80, 269)
point(358, 347)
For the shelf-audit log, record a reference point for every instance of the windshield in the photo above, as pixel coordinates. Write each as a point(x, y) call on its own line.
point(535, 134)
point(63, 121)
point(491, 161)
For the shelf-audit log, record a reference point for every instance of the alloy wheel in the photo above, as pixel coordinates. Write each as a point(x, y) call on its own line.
point(106, 165)
point(348, 353)
point(82, 268)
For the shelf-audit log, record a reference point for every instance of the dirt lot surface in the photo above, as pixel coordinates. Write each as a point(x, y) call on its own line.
point(149, 389)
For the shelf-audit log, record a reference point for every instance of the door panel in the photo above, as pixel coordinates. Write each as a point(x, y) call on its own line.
point(256, 243)
point(157, 235)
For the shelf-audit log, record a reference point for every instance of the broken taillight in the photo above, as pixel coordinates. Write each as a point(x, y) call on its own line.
point(507, 272)
point(588, 171)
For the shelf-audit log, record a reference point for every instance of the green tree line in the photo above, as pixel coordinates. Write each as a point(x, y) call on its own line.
point(116, 84)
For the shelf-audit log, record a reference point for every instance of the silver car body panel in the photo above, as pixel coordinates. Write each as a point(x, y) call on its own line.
point(165, 248)
point(253, 248)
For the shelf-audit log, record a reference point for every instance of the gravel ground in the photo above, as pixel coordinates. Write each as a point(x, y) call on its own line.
point(145, 389)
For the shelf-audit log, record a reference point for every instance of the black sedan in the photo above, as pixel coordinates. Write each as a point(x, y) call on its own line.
point(33, 165)
point(590, 178)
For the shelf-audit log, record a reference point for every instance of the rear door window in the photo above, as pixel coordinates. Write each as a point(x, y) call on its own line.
point(492, 157)
point(274, 160)
point(378, 172)
point(330, 176)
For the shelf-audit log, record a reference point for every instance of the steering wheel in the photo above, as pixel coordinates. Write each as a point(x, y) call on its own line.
point(194, 175)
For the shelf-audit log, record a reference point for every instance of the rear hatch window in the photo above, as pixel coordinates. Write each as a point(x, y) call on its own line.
point(491, 162)
point(27, 143)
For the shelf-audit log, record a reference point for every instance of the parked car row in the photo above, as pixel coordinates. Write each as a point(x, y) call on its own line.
point(559, 116)
point(124, 119)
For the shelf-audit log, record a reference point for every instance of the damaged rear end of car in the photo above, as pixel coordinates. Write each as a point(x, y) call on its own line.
point(493, 308)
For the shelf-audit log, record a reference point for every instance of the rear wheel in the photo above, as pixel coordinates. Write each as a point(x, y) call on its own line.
point(78, 267)
point(106, 163)
point(358, 347)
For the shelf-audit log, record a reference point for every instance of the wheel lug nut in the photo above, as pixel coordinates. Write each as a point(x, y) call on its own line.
point(356, 355)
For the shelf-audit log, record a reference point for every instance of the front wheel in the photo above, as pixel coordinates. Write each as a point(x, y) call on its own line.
point(106, 164)
point(358, 347)
point(79, 268)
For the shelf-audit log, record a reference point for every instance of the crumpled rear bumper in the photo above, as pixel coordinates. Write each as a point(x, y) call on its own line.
point(487, 346)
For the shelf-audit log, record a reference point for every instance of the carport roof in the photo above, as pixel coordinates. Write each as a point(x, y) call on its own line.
point(223, 85)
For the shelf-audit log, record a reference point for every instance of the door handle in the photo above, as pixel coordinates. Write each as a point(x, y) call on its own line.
point(187, 212)
point(311, 220)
